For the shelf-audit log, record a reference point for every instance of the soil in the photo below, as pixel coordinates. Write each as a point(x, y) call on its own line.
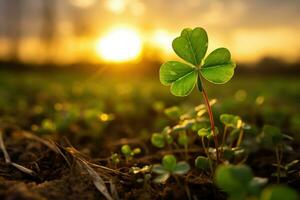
point(60, 174)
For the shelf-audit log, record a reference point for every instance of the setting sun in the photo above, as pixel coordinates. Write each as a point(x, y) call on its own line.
point(119, 45)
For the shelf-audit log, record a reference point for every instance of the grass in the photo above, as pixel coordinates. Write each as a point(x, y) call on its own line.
point(99, 114)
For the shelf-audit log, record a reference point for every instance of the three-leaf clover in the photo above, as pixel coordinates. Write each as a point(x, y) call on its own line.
point(191, 46)
point(169, 167)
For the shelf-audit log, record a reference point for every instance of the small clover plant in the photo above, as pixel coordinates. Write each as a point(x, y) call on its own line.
point(237, 127)
point(128, 152)
point(203, 163)
point(169, 167)
point(238, 182)
point(289, 168)
point(271, 137)
point(217, 67)
point(159, 140)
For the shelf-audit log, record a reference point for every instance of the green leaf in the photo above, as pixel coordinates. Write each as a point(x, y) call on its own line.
point(169, 139)
point(218, 67)
point(171, 71)
point(256, 184)
point(169, 162)
point(181, 168)
point(159, 169)
point(230, 120)
point(272, 134)
point(204, 132)
point(184, 86)
point(191, 45)
point(158, 140)
point(162, 178)
point(172, 112)
point(233, 179)
point(279, 192)
point(202, 162)
point(180, 76)
point(126, 150)
point(183, 139)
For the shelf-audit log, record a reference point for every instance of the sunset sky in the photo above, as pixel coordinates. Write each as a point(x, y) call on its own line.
point(89, 29)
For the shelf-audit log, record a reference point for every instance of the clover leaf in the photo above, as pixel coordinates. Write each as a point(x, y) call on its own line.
point(229, 120)
point(180, 76)
point(202, 162)
point(279, 192)
point(169, 167)
point(238, 181)
point(191, 46)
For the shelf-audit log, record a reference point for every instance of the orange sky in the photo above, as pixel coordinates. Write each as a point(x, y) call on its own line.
point(250, 29)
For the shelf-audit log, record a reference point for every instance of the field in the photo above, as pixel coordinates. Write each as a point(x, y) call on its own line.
point(95, 114)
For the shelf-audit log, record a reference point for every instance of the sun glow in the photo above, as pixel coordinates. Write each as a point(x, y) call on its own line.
point(119, 45)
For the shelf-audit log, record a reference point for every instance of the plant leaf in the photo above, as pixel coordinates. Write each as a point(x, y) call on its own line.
point(272, 134)
point(202, 162)
point(171, 71)
point(230, 120)
point(182, 167)
point(169, 162)
point(162, 178)
point(279, 192)
point(233, 179)
point(184, 85)
point(191, 45)
point(180, 76)
point(158, 140)
point(159, 169)
point(218, 67)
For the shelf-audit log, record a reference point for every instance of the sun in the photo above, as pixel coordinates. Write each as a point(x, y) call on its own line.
point(119, 45)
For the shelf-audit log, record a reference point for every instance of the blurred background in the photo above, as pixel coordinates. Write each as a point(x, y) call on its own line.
point(67, 32)
point(46, 45)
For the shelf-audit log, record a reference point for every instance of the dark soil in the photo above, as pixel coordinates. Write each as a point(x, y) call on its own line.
point(59, 175)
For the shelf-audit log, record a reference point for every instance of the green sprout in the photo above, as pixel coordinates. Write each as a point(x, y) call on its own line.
point(217, 67)
point(173, 112)
point(235, 123)
point(159, 140)
point(129, 153)
point(203, 163)
point(115, 159)
point(238, 182)
point(287, 169)
point(208, 134)
point(169, 167)
point(272, 137)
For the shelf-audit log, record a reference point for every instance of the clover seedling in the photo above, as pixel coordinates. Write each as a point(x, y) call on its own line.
point(128, 152)
point(115, 158)
point(238, 182)
point(216, 68)
point(203, 163)
point(272, 137)
point(169, 167)
point(159, 140)
point(234, 122)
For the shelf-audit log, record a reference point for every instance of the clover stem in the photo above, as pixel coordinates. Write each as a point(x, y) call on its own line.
point(278, 163)
point(212, 123)
point(224, 138)
point(207, 154)
point(240, 138)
